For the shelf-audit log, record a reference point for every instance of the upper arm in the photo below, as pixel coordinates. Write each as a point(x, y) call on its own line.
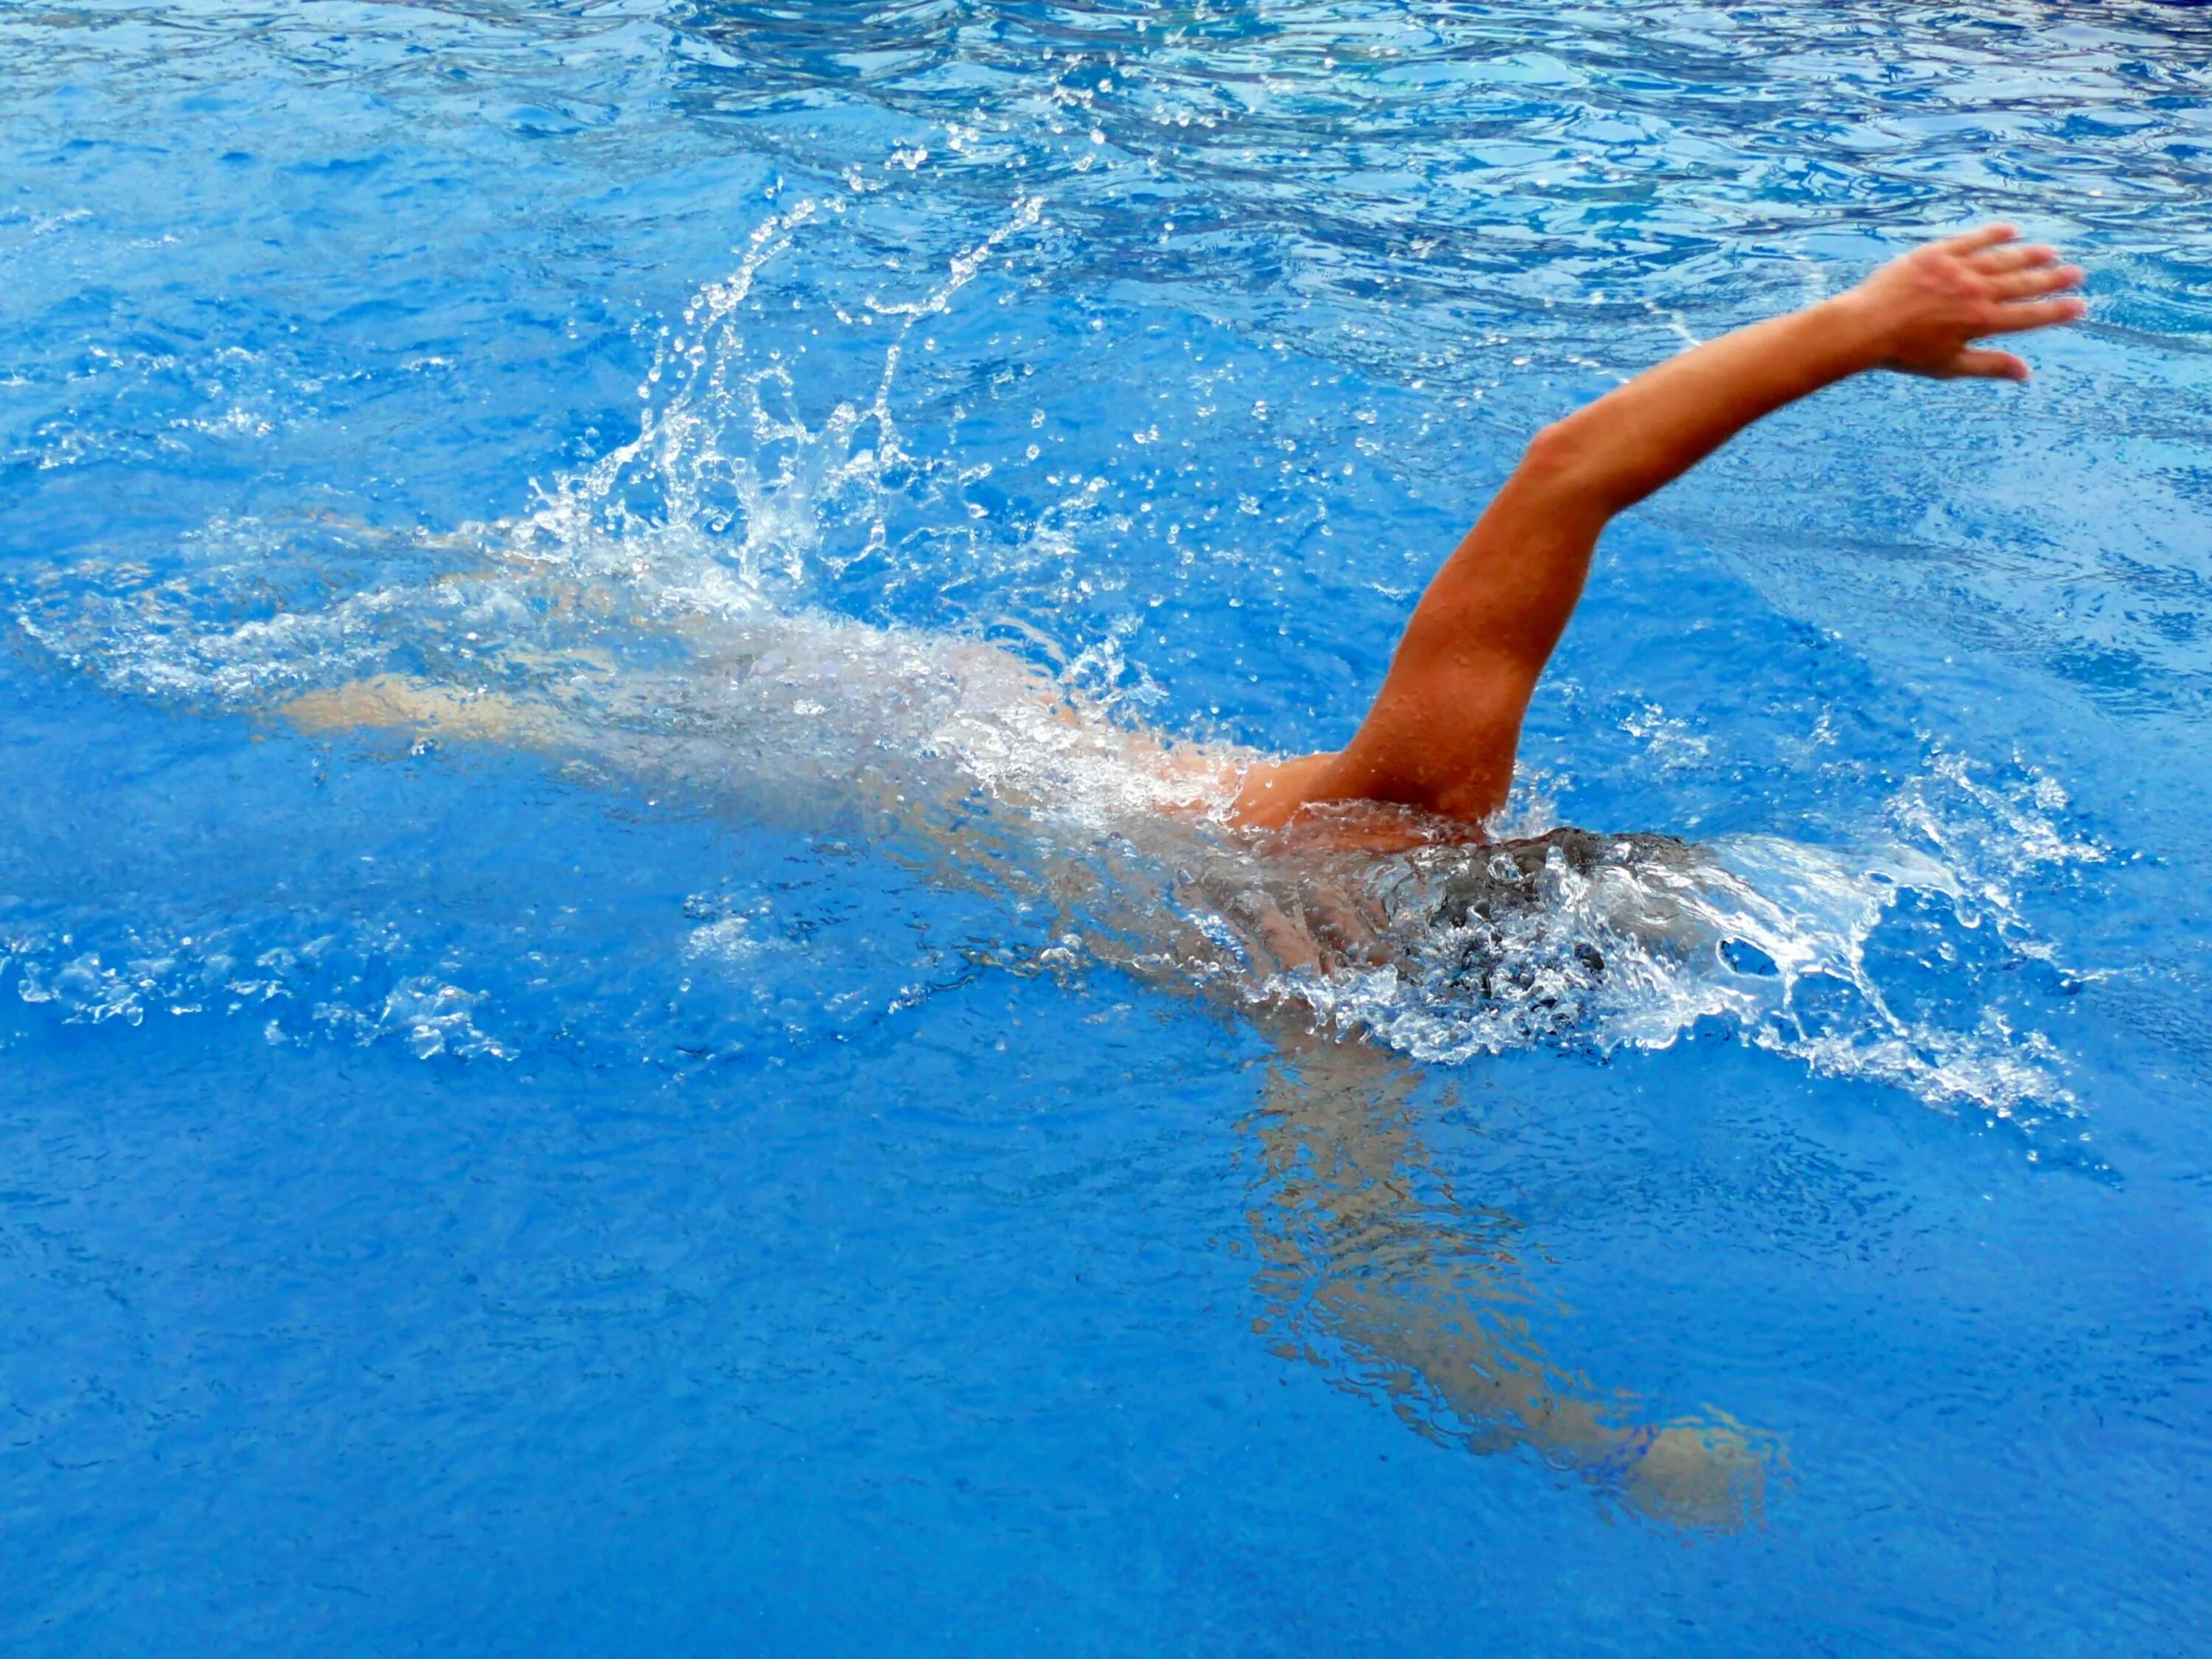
point(1444, 728)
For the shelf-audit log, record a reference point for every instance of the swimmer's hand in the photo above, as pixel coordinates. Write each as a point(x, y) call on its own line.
point(1710, 1477)
point(1926, 308)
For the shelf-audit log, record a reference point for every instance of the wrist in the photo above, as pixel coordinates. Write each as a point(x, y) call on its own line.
point(1854, 331)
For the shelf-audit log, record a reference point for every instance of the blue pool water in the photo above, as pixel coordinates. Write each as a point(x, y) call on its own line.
point(591, 1071)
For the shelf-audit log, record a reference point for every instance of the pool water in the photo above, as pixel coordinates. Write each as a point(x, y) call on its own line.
point(626, 1033)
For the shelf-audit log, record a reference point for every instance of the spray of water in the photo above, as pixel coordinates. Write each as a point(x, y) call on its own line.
point(656, 616)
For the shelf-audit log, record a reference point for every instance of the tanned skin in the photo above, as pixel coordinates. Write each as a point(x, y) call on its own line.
point(1443, 732)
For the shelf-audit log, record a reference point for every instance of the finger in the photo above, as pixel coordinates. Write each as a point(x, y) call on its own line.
point(2025, 314)
point(1990, 366)
point(2013, 255)
point(2027, 284)
point(1985, 236)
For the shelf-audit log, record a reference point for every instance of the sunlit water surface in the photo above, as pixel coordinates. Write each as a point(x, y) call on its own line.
point(628, 1031)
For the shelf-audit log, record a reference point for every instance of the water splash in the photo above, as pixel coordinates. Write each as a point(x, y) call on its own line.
point(658, 618)
point(1604, 943)
point(349, 981)
point(723, 449)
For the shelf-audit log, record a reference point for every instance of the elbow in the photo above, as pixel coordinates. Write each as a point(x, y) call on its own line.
point(1556, 458)
point(1565, 462)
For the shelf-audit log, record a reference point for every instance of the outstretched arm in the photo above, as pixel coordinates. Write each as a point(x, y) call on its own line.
point(1442, 734)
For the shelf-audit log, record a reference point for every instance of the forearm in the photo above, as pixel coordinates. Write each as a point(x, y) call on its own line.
point(1612, 454)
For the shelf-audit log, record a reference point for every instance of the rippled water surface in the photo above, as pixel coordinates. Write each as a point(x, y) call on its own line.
point(627, 1028)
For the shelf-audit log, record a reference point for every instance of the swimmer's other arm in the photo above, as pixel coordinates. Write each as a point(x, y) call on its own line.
point(1442, 734)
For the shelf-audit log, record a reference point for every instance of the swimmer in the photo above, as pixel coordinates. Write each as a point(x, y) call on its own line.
point(792, 716)
point(1440, 736)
